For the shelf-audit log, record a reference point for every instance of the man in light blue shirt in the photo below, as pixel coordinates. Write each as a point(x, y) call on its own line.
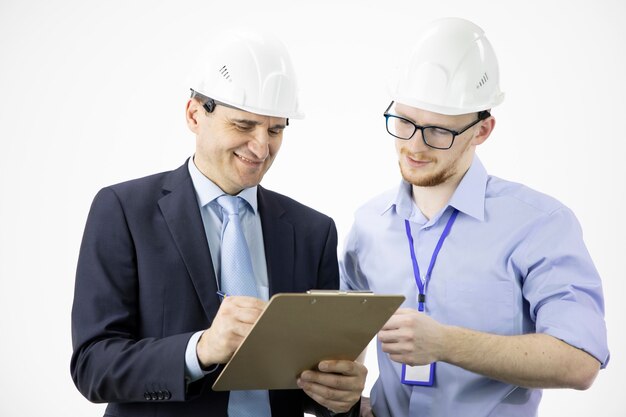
point(503, 298)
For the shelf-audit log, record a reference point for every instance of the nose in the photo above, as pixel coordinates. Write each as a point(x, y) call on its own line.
point(260, 144)
point(416, 143)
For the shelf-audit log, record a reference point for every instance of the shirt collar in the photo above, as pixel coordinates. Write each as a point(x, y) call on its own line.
point(207, 191)
point(402, 201)
point(469, 196)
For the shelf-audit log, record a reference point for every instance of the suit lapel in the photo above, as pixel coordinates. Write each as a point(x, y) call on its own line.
point(180, 210)
point(278, 238)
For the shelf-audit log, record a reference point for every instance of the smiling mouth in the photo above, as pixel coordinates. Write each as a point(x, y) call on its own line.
point(248, 161)
point(419, 162)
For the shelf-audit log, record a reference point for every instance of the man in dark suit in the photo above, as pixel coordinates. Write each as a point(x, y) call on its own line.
point(150, 333)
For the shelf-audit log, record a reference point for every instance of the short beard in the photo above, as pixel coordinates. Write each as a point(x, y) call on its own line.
point(433, 180)
point(436, 178)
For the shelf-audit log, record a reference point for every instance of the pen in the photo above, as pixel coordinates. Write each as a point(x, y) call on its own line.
point(222, 295)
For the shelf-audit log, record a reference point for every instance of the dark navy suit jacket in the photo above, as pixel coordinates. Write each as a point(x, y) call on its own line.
point(145, 283)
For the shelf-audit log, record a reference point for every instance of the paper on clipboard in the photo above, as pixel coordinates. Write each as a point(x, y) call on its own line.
point(297, 331)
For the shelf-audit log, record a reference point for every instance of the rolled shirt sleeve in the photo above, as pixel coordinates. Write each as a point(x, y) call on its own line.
point(562, 285)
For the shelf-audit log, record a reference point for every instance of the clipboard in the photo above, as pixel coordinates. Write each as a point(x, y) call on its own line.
point(297, 331)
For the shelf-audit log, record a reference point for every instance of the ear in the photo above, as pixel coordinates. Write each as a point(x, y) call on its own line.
point(192, 112)
point(485, 129)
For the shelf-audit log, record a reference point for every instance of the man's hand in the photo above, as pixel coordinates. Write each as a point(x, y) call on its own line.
point(413, 338)
point(528, 360)
point(231, 325)
point(337, 385)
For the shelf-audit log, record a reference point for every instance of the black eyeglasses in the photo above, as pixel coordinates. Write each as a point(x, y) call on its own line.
point(434, 136)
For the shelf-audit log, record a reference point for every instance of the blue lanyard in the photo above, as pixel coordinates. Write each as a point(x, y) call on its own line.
point(421, 286)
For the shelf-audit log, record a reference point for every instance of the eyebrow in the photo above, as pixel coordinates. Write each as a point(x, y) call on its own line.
point(257, 123)
point(424, 125)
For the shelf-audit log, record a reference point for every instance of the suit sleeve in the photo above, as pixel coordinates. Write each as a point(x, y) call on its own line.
point(111, 361)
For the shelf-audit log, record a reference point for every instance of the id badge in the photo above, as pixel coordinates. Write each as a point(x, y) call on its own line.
point(418, 375)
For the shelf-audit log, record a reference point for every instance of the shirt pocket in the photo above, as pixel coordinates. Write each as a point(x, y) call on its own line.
point(488, 306)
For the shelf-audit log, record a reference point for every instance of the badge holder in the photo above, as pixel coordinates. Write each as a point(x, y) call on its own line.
point(423, 375)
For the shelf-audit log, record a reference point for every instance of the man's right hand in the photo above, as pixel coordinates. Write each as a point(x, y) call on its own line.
point(233, 322)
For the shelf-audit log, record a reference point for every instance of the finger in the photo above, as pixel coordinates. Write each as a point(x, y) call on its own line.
point(335, 400)
point(331, 381)
point(394, 350)
point(389, 336)
point(406, 336)
point(243, 301)
point(405, 359)
point(398, 347)
point(239, 330)
point(393, 323)
point(229, 323)
point(388, 347)
point(326, 391)
point(399, 318)
point(344, 367)
point(332, 405)
point(246, 315)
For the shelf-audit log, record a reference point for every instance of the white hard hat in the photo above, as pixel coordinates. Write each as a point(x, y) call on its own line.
point(452, 70)
point(251, 71)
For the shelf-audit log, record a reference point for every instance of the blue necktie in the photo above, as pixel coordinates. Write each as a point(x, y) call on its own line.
point(237, 278)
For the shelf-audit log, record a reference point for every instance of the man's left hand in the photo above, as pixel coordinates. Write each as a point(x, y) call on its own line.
point(337, 385)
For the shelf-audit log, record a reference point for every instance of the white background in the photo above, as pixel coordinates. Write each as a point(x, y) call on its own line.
point(93, 93)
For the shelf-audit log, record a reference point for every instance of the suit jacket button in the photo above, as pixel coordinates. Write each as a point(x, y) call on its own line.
point(147, 396)
point(167, 394)
point(154, 395)
point(160, 395)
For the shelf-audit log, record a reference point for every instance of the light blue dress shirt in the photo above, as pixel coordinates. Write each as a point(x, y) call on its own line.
point(514, 263)
point(207, 193)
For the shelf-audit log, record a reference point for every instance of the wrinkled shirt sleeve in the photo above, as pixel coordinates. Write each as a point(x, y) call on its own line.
point(562, 285)
point(352, 278)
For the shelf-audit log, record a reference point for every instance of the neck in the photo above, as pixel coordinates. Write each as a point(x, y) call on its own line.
point(430, 200)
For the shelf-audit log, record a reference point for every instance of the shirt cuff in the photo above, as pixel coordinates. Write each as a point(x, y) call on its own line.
point(193, 370)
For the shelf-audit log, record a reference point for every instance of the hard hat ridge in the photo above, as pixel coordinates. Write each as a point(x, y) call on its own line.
point(251, 71)
point(452, 70)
